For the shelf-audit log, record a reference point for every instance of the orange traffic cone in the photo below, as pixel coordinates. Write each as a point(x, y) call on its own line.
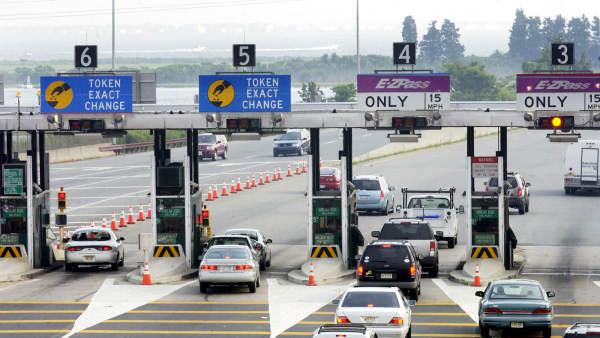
point(232, 189)
point(279, 177)
point(297, 169)
point(275, 177)
point(476, 279)
point(141, 216)
point(247, 183)
point(311, 276)
point(104, 222)
point(113, 223)
point(215, 192)
point(224, 191)
point(238, 186)
point(304, 170)
point(149, 213)
point(253, 185)
point(289, 173)
point(209, 195)
point(260, 180)
point(267, 179)
point(122, 220)
point(130, 218)
point(146, 280)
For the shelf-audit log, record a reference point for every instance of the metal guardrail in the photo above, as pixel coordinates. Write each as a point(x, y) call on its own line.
point(119, 149)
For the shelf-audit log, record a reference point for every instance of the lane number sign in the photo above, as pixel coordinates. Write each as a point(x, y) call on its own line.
point(563, 54)
point(86, 56)
point(405, 53)
point(244, 55)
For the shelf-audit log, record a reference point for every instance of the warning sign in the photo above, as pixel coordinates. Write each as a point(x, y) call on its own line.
point(484, 166)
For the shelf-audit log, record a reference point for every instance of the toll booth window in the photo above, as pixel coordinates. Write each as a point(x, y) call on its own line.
point(485, 229)
point(13, 222)
point(170, 222)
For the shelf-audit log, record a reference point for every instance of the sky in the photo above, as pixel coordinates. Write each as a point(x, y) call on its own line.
point(47, 27)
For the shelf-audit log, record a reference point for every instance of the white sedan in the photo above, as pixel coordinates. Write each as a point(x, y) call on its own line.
point(384, 310)
point(229, 265)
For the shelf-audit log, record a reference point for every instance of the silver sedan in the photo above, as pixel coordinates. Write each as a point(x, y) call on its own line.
point(94, 246)
point(229, 265)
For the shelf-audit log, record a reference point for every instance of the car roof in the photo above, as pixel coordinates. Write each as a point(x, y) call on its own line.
point(94, 229)
point(516, 281)
point(392, 242)
point(400, 220)
point(372, 289)
point(327, 170)
point(240, 229)
point(367, 177)
point(229, 236)
point(428, 196)
point(205, 134)
point(229, 246)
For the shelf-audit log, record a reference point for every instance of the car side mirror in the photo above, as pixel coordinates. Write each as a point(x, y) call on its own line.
point(335, 302)
point(528, 184)
point(550, 294)
point(375, 234)
point(219, 142)
point(479, 294)
point(269, 241)
point(412, 303)
point(398, 208)
point(461, 209)
point(122, 239)
point(258, 246)
point(66, 239)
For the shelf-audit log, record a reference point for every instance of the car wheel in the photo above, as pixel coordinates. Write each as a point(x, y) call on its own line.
point(527, 207)
point(386, 209)
point(252, 287)
point(433, 273)
point(522, 209)
point(414, 294)
point(258, 282)
point(409, 333)
point(214, 158)
point(451, 242)
point(122, 262)
point(224, 155)
point(547, 332)
point(484, 331)
point(203, 287)
point(263, 265)
point(115, 266)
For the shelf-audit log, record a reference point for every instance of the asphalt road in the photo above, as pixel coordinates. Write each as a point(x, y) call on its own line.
point(558, 237)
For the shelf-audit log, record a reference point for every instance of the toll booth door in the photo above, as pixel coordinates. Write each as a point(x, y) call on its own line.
point(13, 222)
point(589, 166)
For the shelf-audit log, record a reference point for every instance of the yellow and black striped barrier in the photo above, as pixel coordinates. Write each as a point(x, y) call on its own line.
point(167, 251)
point(484, 252)
point(324, 252)
point(11, 251)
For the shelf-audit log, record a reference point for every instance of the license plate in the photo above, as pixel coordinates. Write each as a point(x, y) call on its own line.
point(363, 197)
point(369, 319)
point(386, 276)
point(88, 258)
point(226, 268)
point(516, 325)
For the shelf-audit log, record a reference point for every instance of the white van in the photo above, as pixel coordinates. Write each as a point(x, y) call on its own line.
point(581, 166)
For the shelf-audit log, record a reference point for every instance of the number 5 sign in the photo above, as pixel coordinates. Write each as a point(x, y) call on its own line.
point(405, 53)
point(86, 56)
point(244, 55)
point(563, 54)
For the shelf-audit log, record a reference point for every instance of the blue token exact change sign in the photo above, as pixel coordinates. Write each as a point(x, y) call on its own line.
point(86, 94)
point(245, 93)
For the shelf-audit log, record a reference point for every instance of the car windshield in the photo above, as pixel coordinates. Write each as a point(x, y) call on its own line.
point(429, 203)
point(292, 136)
point(366, 185)
point(252, 234)
point(414, 231)
point(228, 241)
point(511, 180)
point(516, 291)
point(384, 253)
point(328, 171)
point(370, 299)
point(207, 139)
point(227, 253)
point(91, 236)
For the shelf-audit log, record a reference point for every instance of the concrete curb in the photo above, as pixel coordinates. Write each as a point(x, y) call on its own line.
point(31, 274)
point(459, 276)
point(135, 278)
point(299, 277)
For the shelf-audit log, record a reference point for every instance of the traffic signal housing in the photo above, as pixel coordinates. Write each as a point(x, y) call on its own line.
point(62, 200)
point(205, 217)
point(562, 123)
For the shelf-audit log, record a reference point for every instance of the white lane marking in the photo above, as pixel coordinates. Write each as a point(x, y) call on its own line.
point(462, 295)
point(95, 173)
point(329, 142)
point(99, 177)
point(9, 287)
point(305, 300)
point(597, 284)
point(114, 300)
point(77, 167)
point(366, 135)
point(98, 197)
point(105, 187)
point(108, 199)
point(584, 274)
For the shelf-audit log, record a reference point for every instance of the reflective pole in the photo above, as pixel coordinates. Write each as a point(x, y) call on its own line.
point(113, 35)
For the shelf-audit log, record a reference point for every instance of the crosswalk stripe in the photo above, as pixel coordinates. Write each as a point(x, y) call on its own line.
point(198, 312)
point(38, 311)
point(185, 321)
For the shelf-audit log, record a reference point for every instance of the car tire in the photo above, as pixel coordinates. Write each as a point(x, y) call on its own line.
point(409, 333)
point(258, 281)
point(214, 158)
point(224, 155)
point(547, 332)
point(527, 207)
point(122, 261)
point(263, 265)
point(433, 273)
point(521, 209)
point(203, 287)
point(484, 331)
point(268, 263)
point(451, 242)
point(115, 266)
point(252, 287)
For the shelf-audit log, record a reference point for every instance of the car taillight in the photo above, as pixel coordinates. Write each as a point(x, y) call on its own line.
point(360, 270)
point(73, 248)
point(413, 270)
point(208, 267)
point(520, 192)
point(342, 320)
point(244, 267)
point(432, 246)
point(341, 335)
point(397, 321)
point(492, 310)
point(104, 248)
point(542, 311)
point(381, 196)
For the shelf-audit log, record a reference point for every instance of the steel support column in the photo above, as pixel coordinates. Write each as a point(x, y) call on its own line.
point(196, 176)
point(33, 152)
point(2, 147)
point(471, 150)
point(316, 159)
point(41, 156)
point(347, 150)
point(9, 146)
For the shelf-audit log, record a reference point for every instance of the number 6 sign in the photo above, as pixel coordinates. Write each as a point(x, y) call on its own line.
point(86, 56)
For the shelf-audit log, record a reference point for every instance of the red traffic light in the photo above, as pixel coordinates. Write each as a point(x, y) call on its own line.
point(563, 123)
point(62, 195)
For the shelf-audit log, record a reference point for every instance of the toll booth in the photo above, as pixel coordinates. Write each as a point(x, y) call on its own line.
point(177, 199)
point(24, 202)
point(485, 220)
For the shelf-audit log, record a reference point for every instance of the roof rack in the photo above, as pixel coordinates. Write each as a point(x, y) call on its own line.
point(359, 328)
point(406, 191)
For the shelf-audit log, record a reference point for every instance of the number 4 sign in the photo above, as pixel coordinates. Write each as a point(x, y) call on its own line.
point(86, 56)
point(405, 53)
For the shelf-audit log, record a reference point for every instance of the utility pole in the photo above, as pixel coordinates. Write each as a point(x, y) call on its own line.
point(113, 35)
point(357, 41)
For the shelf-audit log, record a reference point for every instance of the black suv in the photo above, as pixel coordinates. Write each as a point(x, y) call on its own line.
point(517, 191)
point(392, 264)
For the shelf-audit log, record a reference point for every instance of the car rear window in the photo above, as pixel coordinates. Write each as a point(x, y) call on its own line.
point(384, 253)
point(516, 291)
point(328, 171)
point(91, 236)
point(370, 299)
point(251, 234)
point(366, 184)
point(227, 253)
point(229, 241)
point(414, 231)
point(290, 136)
point(207, 139)
point(430, 203)
point(511, 180)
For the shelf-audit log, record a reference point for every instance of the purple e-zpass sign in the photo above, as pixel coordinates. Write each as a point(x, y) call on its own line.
point(404, 91)
point(561, 92)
